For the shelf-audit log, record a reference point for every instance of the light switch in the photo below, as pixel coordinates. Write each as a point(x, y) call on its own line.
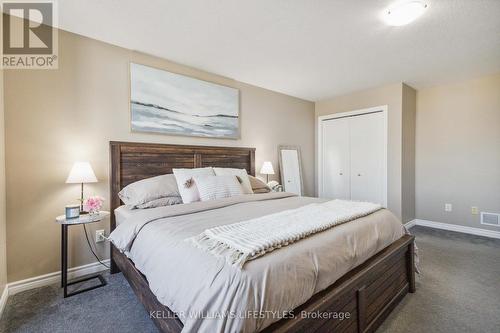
point(448, 207)
point(474, 210)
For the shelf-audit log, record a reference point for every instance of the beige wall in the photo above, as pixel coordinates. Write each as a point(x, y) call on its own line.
point(408, 154)
point(3, 231)
point(54, 117)
point(392, 96)
point(458, 151)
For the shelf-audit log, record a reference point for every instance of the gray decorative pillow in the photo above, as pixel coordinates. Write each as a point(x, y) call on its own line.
point(261, 190)
point(258, 186)
point(149, 189)
point(161, 202)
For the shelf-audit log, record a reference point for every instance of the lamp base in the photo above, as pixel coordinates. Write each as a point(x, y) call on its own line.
point(82, 212)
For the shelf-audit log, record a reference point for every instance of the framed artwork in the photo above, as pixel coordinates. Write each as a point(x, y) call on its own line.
point(169, 103)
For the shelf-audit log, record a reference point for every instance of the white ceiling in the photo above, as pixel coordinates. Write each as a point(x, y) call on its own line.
point(313, 49)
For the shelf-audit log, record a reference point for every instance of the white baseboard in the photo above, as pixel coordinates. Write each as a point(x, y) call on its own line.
point(454, 227)
point(55, 277)
point(410, 224)
point(3, 299)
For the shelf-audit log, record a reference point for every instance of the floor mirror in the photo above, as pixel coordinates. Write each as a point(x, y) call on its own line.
point(290, 169)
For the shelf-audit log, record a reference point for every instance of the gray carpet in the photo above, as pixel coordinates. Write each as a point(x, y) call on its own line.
point(113, 308)
point(458, 291)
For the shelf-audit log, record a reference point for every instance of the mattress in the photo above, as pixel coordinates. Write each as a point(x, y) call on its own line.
point(122, 213)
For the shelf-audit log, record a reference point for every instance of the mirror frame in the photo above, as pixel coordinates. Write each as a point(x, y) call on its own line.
point(299, 156)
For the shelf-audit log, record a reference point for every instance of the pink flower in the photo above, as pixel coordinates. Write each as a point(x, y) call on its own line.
point(93, 204)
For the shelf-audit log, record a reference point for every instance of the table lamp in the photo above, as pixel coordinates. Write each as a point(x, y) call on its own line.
point(267, 169)
point(81, 173)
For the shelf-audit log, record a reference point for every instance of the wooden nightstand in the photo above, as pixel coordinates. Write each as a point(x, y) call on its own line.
point(65, 224)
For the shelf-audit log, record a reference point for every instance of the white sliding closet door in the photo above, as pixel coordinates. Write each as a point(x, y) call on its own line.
point(352, 157)
point(335, 168)
point(367, 157)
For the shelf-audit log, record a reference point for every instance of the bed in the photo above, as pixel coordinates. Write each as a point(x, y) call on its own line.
point(368, 292)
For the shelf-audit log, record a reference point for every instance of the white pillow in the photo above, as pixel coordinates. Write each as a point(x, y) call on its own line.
point(149, 189)
point(242, 173)
point(187, 187)
point(217, 187)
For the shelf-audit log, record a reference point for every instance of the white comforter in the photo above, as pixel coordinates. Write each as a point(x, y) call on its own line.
point(210, 295)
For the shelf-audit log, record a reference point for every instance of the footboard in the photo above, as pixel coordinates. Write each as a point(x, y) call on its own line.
point(360, 300)
point(357, 302)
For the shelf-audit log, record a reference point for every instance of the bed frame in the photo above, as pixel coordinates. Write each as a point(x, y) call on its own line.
point(368, 293)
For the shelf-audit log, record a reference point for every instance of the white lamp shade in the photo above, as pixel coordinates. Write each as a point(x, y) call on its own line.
point(267, 168)
point(81, 172)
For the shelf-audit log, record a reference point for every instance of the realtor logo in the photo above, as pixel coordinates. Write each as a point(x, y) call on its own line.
point(29, 40)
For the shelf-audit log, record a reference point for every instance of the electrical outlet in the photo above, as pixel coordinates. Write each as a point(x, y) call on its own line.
point(474, 210)
point(448, 207)
point(99, 236)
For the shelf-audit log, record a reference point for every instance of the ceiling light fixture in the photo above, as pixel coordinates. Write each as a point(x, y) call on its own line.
point(404, 12)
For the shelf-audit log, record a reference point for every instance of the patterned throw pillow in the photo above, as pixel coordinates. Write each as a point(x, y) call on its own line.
point(217, 187)
point(161, 202)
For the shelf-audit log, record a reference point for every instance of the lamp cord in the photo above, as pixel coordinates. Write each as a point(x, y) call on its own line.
point(90, 247)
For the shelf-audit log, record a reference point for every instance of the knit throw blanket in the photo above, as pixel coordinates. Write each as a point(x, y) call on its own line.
point(247, 240)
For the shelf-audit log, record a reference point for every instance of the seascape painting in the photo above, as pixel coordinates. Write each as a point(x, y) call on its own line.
point(169, 103)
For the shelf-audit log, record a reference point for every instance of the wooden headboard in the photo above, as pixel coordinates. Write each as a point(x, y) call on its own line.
point(133, 161)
